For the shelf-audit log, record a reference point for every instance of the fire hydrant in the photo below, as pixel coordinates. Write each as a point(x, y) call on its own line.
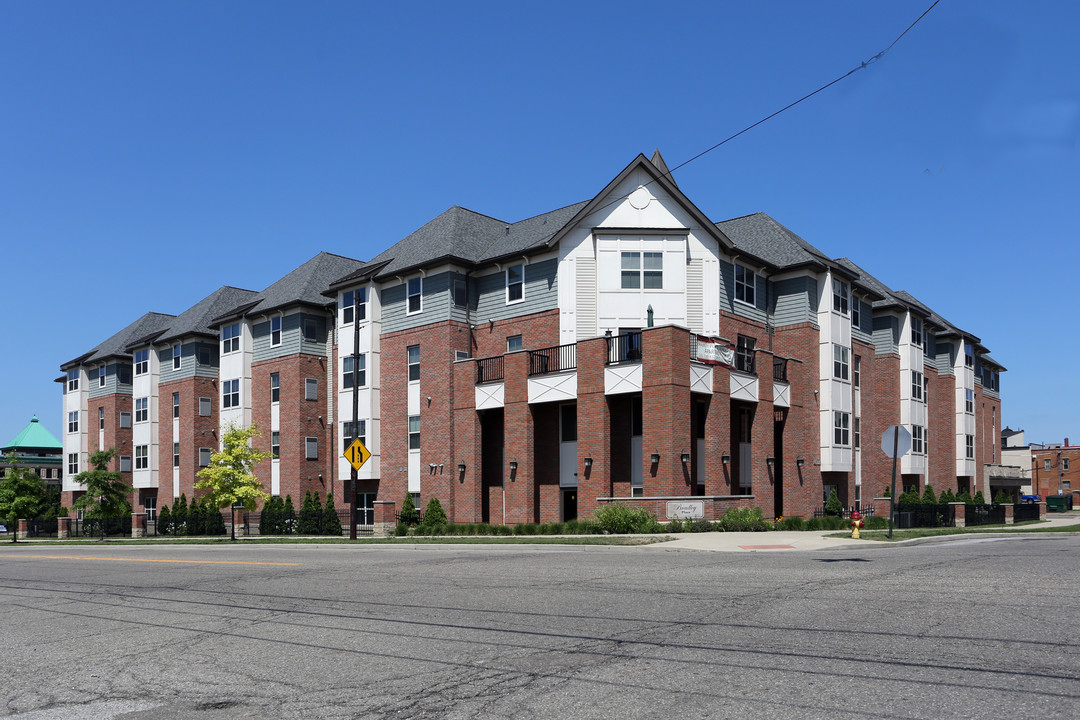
point(856, 523)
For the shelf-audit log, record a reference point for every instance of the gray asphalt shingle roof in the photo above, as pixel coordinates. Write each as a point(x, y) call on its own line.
point(115, 346)
point(761, 236)
point(197, 319)
point(304, 285)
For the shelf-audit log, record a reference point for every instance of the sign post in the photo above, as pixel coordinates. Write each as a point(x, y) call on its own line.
point(895, 442)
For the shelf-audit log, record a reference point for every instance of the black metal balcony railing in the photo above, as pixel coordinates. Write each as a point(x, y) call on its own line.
point(779, 369)
point(553, 359)
point(624, 348)
point(489, 370)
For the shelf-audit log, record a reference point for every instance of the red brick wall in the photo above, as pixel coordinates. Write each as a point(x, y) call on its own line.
point(195, 432)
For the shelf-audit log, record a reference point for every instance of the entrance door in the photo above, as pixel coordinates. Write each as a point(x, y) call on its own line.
point(637, 488)
point(569, 504)
point(365, 509)
point(746, 455)
point(568, 463)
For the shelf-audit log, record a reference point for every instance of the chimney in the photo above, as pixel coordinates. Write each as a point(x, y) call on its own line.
point(1066, 442)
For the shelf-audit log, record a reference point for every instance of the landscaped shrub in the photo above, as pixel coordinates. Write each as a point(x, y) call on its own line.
point(309, 521)
point(833, 506)
point(1001, 498)
point(928, 496)
point(978, 499)
point(213, 520)
point(164, 521)
point(401, 529)
point(965, 497)
point(434, 515)
point(409, 514)
point(876, 522)
point(331, 523)
point(180, 516)
point(288, 517)
point(791, 523)
point(743, 520)
point(616, 518)
point(946, 497)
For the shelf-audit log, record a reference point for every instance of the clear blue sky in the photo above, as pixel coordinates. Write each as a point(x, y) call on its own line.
point(151, 152)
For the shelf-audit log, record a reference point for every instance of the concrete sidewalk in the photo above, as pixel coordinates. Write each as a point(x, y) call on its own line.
point(782, 540)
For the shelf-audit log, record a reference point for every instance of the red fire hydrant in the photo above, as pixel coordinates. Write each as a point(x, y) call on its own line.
point(856, 523)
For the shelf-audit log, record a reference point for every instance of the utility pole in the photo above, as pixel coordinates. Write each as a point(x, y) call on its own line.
point(1060, 492)
point(353, 495)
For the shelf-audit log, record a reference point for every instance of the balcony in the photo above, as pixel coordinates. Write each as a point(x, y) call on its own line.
point(490, 369)
point(553, 359)
point(625, 348)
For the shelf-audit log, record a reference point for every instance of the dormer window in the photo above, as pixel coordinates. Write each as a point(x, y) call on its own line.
point(840, 296)
point(745, 284)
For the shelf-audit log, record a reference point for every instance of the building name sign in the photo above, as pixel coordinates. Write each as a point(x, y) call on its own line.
point(714, 351)
point(693, 509)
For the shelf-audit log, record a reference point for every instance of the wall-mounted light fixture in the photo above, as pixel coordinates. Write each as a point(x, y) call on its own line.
point(725, 459)
point(461, 469)
point(770, 461)
point(513, 465)
point(654, 458)
point(799, 462)
point(685, 457)
point(588, 463)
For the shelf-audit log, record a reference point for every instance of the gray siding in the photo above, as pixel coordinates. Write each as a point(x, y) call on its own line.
point(792, 301)
point(865, 329)
point(112, 384)
point(292, 338)
point(886, 334)
point(434, 304)
point(944, 355)
point(540, 293)
point(727, 295)
point(189, 364)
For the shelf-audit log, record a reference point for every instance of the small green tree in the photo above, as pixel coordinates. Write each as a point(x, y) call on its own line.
point(288, 517)
point(22, 495)
point(965, 497)
point(331, 523)
point(409, 513)
point(180, 516)
point(229, 478)
point(269, 519)
point(106, 494)
point(164, 521)
point(212, 519)
point(946, 496)
point(1002, 498)
point(434, 515)
point(833, 506)
point(928, 496)
point(887, 492)
point(978, 499)
point(310, 519)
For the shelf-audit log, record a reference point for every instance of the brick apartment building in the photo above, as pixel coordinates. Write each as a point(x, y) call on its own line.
point(624, 349)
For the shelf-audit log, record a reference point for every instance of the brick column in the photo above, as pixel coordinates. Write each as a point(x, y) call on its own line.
point(1009, 518)
point(763, 480)
point(384, 512)
point(665, 409)
point(594, 426)
point(959, 509)
point(463, 505)
point(22, 530)
point(63, 528)
point(519, 485)
point(718, 435)
point(138, 525)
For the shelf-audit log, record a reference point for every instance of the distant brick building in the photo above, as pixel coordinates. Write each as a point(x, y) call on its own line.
point(625, 349)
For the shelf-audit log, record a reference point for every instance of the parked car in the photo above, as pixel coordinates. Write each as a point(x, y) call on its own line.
point(3, 528)
point(1030, 499)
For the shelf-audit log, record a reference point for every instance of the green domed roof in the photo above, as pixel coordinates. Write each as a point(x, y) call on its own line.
point(33, 437)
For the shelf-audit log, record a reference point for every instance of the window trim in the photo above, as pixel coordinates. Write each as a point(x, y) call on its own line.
point(309, 329)
point(177, 356)
point(413, 365)
point(856, 370)
point(142, 361)
point(841, 296)
point(275, 334)
point(841, 428)
point(969, 442)
point(311, 448)
point(916, 385)
point(515, 287)
point(275, 388)
point(419, 295)
point(208, 403)
point(509, 341)
point(176, 404)
point(230, 342)
point(230, 393)
point(73, 380)
point(206, 453)
point(275, 445)
point(101, 418)
point(142, 457)
point(142, 410)
point(856, 313)
point(841, 362)
point(73, 421)
point(747, 286)
point(102, 375)
point(350, 375)
point(309, 394)
point(414, 434)
point(125, 416)
point(176, 454)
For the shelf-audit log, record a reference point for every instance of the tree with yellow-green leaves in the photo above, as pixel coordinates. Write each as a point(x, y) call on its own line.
point(229, 478)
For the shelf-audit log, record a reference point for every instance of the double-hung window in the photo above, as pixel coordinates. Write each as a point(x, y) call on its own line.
point(275, 444)
point(176, 404)
point(176, 356)
point(310, 329)
point(856, 370)
point(230, 338)
point(969, 401)
point(347, 432)
point(230, 394)
point(841, 428)
point(72, 380)
point(101, 376)
point(916, 331)
point(353, 305)
point(73, 421)
point(73, 464)
point(275, 387)
point(142, 457)
point(856, 313)
point(916, 385)
point(969, 355)
point(515, 283)
point(840, 296)
point(142, 362)
point(414, 362)
point(414, 292)
point(840, 362)
point(745, 283)
point(970, 446)
point(744, 354)
point(414, 432)
point(142, 409)
point(1065, 464)
point(857, 429)
point(917, 439)
point(275, 331)
point(101, 418)
point(176, 454)
point(351, 374)
point(513, 343)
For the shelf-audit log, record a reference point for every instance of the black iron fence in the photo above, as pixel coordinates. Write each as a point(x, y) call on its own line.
point(553, 359)
point(779, 369)
point(489, 370)
point(1025, 512)
point(624, 348)
point(864, 510)
point(918, 515)
point(984, 515)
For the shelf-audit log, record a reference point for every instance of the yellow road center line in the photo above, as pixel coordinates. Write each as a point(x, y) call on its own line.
point(147, 560)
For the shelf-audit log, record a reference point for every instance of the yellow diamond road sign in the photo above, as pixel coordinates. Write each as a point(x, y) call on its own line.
point(357, 454)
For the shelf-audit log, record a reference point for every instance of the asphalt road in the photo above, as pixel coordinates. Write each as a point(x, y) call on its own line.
point(966, 628)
